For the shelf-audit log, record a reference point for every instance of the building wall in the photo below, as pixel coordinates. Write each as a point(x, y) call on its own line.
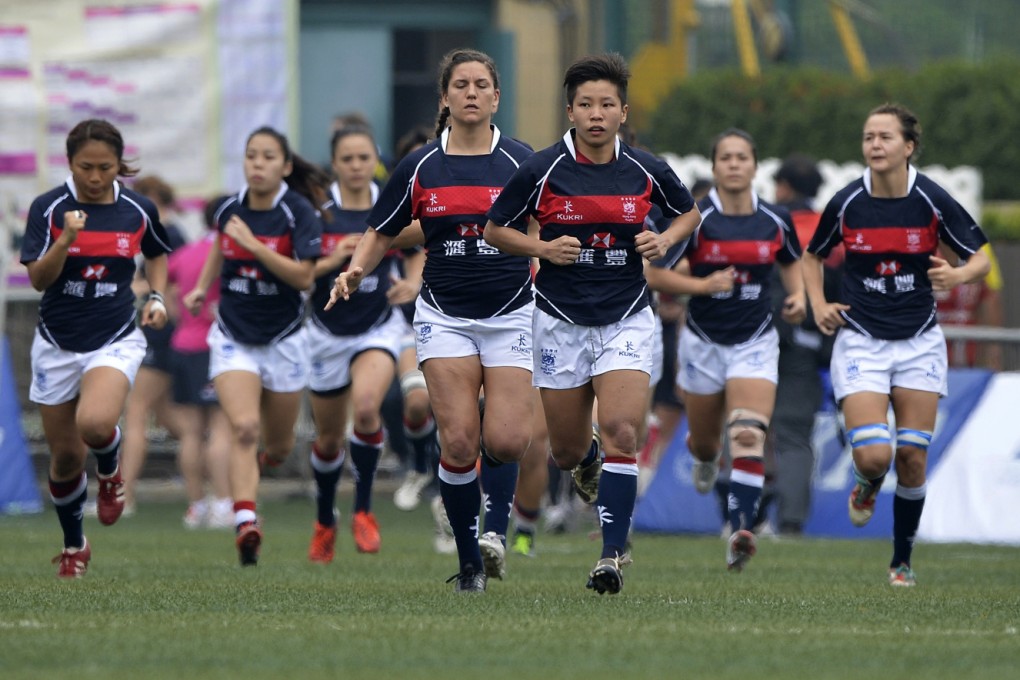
point(532, 42)
point(547, 35)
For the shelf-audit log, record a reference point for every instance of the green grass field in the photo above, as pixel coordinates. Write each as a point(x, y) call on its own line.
point(163, 602)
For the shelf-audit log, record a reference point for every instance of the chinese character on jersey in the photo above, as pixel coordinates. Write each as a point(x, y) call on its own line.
point(874, 285)
point(106, 289)
point(485, 249)
point(904, 283)
point(616, 257)
point(454, 248)
point(750, 291)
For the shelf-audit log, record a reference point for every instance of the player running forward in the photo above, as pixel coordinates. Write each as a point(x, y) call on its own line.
point(473, 316)
point(269, 238)
point(889, 348)
point(354, 348)
point(728, 352)
point(593, 325)
point(79, 247)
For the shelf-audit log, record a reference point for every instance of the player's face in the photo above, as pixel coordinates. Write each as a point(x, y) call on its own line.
point(265, 164)
point(734, 166)
point(93, 170)
point(354, 161)
point(471, 95)
point(597, 113)
point(884, 147)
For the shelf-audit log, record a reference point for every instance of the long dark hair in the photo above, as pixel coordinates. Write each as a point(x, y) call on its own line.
point(453, 59)
point(96, 129)
point(305, 178)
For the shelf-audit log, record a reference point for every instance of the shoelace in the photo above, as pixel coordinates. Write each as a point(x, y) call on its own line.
point(462, 575)
point(621, 560)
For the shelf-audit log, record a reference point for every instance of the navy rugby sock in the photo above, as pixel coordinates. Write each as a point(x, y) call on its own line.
point(365, 451)
point(907, 506)
point(69, 500)
point(327, 471)
point(107, 456)
point(462, 499)
point(615, 503)
point(498, 486)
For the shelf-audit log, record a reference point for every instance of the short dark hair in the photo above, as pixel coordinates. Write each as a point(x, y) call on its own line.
point(610, 66)
point(801, 172)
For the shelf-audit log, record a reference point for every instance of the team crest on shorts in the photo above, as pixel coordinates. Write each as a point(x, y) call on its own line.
point(548, 361)
point(933, 372)
point(853, 371)
point(425, 333)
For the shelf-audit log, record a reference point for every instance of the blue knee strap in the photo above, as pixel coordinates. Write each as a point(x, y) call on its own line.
point(919, 439)
point(866, 435)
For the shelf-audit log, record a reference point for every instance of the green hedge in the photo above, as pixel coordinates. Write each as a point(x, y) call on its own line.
point(970, 115)
point(1001, 221)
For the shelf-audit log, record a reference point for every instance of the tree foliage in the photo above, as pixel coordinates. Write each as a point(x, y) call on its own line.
point(970, 114)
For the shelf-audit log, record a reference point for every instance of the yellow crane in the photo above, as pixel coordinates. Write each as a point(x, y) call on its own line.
point(773, 38)
point(659, 66)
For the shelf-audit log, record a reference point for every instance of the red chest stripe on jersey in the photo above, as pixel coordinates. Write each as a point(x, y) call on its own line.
point(583, 210)
point(103, 243)
point(907, 240)
point(233, 251)
point(462, 200)
point(735, 252)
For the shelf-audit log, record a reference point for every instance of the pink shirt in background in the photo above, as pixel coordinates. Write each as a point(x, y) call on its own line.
point(184, 268)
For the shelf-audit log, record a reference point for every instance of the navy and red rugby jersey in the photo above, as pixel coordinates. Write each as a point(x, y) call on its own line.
point(257, 308)
point(603, 206)
point(369, 307)
point(464, 276)
point(751, 244)
point(91, 303)
point(888, 242)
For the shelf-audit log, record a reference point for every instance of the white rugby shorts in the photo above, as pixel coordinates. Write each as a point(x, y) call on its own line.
point(57, 373)
point(503, 340)
point(331, 355)
point(568, 355)
point(703, 367)
point(282, 366)
point(863, 364)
